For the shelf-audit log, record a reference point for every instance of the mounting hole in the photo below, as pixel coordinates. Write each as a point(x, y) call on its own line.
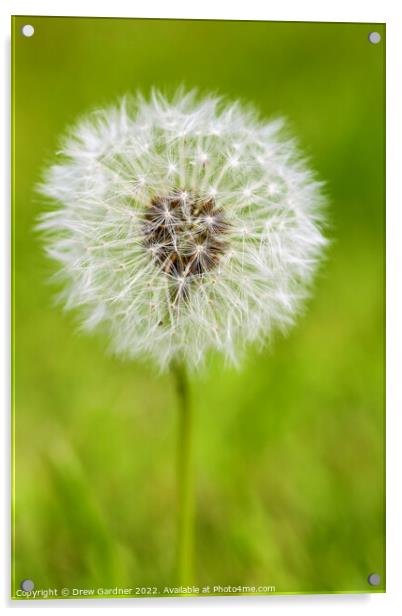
point(28, 30)
point(374, 37)
point(27, 585)
point(374, 579)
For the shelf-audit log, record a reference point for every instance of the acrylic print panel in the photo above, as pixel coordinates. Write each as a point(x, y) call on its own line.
point(198, 307)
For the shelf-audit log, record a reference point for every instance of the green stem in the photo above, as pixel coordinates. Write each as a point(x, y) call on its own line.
point(184, 479)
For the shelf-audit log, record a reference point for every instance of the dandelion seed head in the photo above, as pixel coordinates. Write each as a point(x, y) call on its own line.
point(182, 225)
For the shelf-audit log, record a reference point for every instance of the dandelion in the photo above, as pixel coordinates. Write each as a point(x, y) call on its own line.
point(182, 226)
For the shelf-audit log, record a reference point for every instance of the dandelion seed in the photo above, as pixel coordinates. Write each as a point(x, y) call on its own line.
point(182, 226)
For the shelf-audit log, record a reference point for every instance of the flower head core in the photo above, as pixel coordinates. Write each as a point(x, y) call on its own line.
point(182, 225)
point(185, 235)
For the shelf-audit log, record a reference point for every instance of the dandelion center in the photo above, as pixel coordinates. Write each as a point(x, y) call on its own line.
point(185, 235)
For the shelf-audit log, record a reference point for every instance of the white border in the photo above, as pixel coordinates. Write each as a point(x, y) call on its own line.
point(291, 10)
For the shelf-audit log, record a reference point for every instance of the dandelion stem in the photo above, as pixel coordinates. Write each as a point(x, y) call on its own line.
point(184, 478)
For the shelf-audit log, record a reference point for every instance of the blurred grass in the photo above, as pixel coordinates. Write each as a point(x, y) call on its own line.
point(289, 450)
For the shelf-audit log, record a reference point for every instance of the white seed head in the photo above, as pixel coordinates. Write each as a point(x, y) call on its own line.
point(182, 225)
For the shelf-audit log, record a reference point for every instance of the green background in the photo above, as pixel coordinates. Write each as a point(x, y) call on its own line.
point(289, 451)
